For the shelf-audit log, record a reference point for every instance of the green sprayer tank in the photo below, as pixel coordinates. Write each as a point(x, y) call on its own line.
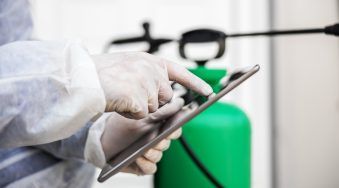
point(221, 138)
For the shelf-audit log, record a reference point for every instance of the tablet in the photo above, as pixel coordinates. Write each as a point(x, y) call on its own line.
point(152, 138)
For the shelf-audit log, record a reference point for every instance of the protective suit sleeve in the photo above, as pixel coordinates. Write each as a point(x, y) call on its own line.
point(69, 148)
point(84, 144)
point(49, 90)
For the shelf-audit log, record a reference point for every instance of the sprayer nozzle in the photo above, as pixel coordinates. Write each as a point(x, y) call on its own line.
point(332, 30)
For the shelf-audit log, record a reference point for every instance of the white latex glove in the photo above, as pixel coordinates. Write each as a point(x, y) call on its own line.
point(120, 132)
point(146, 164)
point(136, 83)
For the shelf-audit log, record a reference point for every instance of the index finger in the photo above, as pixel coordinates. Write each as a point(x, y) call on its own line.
point(184, 77)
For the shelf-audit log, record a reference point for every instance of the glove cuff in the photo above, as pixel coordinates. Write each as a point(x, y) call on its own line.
point(94, 152)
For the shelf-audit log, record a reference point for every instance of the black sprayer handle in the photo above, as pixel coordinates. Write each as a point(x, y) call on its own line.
point(202, 36)
point(154, 43)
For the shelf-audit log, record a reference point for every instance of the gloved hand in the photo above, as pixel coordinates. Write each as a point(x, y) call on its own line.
point(136, 83)
point(146, 164)
point(120, 132)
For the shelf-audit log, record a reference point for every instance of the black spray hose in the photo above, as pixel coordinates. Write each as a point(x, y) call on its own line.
point(198, 163)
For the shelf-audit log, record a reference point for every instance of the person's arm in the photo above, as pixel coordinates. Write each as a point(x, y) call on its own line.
point(49, 90)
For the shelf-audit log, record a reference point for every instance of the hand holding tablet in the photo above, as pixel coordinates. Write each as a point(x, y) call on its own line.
point(158, 133)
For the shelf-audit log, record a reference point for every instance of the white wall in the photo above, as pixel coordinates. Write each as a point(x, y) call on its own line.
point(307, 87)
point(96, 22)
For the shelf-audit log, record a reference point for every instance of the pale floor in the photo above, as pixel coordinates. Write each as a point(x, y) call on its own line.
point(125, 181)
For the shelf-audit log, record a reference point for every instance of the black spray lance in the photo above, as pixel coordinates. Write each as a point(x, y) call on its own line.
point(210, 35)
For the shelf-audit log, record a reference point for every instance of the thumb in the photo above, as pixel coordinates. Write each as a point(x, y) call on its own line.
point(167, 110)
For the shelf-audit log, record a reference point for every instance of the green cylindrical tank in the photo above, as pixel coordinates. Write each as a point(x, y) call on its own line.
point(221, 138)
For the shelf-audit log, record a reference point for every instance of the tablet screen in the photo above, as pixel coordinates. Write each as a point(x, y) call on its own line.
point(188, 112)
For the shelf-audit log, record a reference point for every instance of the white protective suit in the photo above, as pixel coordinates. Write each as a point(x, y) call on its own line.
point(65, 77)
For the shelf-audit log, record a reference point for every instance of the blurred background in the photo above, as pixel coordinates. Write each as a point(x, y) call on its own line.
point(292, 103)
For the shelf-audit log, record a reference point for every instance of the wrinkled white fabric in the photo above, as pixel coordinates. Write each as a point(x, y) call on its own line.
point(15, 21)
point(49, 90)
point(94, 153)
point(65, 174)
